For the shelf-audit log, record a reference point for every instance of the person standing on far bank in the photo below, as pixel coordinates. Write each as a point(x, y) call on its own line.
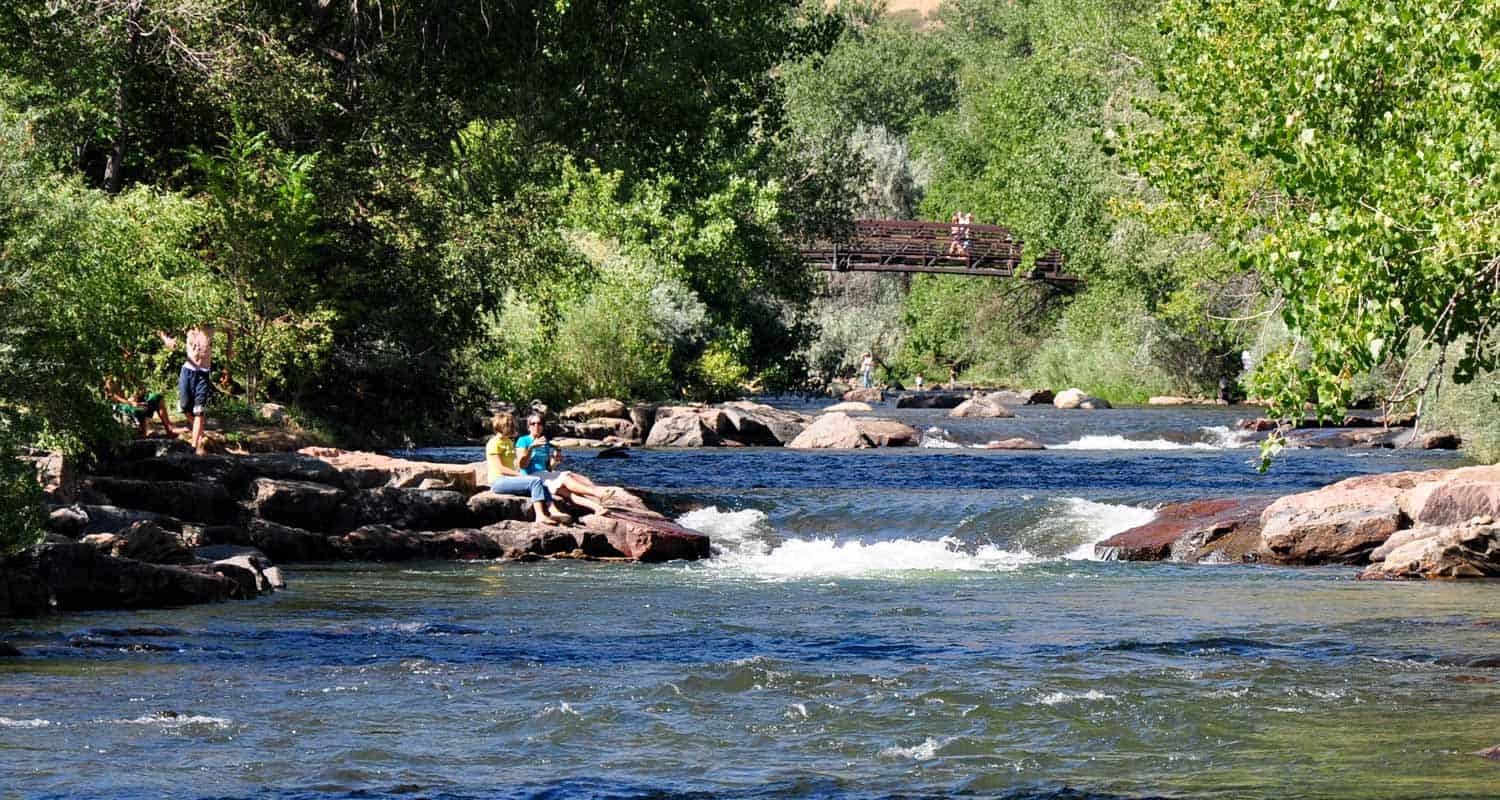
point(192, 381)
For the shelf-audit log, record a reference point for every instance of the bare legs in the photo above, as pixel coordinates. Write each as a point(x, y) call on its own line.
point(578, 489)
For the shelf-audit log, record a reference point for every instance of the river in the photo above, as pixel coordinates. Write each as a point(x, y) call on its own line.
point(907, 623)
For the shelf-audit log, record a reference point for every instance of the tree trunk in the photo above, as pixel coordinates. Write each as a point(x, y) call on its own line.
point(114, 166)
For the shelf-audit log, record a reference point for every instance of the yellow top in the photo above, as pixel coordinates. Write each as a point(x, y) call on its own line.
point(500, 457)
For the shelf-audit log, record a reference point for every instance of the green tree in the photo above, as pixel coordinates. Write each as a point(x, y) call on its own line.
point(1345, 151)
point(263, 228)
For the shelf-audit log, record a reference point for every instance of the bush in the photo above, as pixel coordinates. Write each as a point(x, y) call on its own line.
point(1107, 345)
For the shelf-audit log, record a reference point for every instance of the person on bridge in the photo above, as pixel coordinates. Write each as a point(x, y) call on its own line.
point(955, 233)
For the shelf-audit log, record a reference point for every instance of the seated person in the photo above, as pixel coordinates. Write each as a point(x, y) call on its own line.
point(537, 456)
point(138, 407)
point(500, 461)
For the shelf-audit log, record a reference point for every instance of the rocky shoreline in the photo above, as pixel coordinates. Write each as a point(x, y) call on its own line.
point(1429, 524)
point(158, 526)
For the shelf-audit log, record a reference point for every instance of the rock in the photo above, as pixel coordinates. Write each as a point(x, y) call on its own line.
point(111, 519)
point(874, 394)
point(487, 508)
point(838, 430)
point(138, 449)
point(760, 424)
point(600, 407)
point(543, 540)
point(614, 452)
point(273, 413)
point(1169, 400)
point(622, 429)
point(1015, 443)
point(681, 430)
point(8, 650)
point(1216, 530)
point(190, 500)
point(82, 578)
point(1460, 495)
point(1468, 550)
point(67, 520)
point(410, 509)
point(301, 504)
point(987, 405)
point(1491, 753)
point(649, 537)
point(1075, 398)
point(1341, 523)
point(930, 400)
point(371, 470)
point(23, 592)
point(1037, 397)
point(388, 543)
point(847, 408)
point(246, 576)
point(144, 541)
point(644, 416)
point(285, 544)
point(58, 475)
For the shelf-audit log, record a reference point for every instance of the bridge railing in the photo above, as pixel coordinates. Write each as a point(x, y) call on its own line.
point(916, 246)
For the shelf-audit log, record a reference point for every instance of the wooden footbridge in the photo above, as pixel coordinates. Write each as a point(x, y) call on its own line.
point(933, 247)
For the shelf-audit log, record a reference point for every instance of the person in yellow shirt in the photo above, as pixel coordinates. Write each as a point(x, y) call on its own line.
point(500, 462)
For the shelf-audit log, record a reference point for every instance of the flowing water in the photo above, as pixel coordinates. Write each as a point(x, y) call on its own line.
point(901, 623)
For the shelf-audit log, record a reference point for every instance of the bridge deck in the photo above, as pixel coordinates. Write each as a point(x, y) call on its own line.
point(932, 247)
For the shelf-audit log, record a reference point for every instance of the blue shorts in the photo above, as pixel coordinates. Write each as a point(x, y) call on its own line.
point(192, 390)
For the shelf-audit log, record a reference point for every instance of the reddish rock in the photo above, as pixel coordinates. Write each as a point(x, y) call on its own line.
point(848, 408)
point(1192, 531)
point(1466, 494)
point(372, 470)
point(145, 541)
point(680, 430)
point(760, 424)
point(648, 537)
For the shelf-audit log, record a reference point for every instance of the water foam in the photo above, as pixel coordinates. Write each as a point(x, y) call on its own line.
point(1093, 522)
point(1058, 698)
point(926, 751)
point(745, 543)
point(7, 722)
point(937, 438)
point(1098, 442)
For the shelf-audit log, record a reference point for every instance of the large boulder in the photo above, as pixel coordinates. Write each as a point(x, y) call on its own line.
point(1170, 400)
point(1342, 523)
point(198, 501)
point(874, 394)
point(1460, 495)
point(848, 408)
point(681, 430)
point(931, 400)
point(1467, 550)
point(1218, 530)
point(985, 405)
point(760, 424)
point(79, 578)
point(649, 537)
point(410, 509)
point(285, 544)
point(23, 592)
point(81, 520)
point(598, 407)
point(388, 543)
point(300, 504)
point(1076, 398)
point(841, 431)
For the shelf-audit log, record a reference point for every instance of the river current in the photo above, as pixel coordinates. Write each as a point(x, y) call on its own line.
point(912, 623)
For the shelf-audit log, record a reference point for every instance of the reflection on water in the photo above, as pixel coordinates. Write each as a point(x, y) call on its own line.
point(917, 624)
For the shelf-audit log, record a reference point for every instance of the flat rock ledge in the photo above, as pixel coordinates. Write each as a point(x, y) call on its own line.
point(158, 527)
point(1433, 524)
